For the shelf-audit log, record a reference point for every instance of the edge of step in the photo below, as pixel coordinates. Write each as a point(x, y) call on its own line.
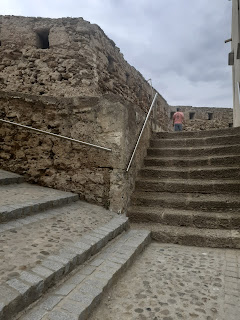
point(9, 178)
point(21, 210)
point(153, 184)
point(203, 133)
point(185, 218)
point(200, 237)
point(81, 293)
point(18, 293)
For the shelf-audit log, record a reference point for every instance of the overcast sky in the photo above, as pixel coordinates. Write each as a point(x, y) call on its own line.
point(179, 44)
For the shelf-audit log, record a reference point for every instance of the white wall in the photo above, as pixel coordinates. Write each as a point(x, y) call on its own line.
point(236, 66)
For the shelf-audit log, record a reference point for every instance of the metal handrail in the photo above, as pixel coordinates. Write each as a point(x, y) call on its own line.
point(140, 135)
point(55, 135)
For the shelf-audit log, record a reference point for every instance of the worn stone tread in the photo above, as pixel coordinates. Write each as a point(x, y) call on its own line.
point(190, 201)
point(201, 237)
point(151, 184)
point(9, 178)
point(188, 141)
point(31, 284)
point(197, 134)
point(210, 172)
point(19, 200)
point(27, 241)
point(76, 297)
point(199, 161)
point(195, 151)
point(198, 219)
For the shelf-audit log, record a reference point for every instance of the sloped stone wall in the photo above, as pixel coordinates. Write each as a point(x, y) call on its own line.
point(67, 77)
point(80, 61)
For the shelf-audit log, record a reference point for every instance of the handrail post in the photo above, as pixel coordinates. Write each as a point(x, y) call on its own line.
point(140, 135)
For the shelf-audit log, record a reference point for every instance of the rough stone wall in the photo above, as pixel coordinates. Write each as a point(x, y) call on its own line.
point(97, 175)
point(67, 77)
point(80, 61)
point(203, 118)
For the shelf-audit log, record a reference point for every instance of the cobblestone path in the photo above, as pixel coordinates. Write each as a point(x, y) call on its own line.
point(26, 242)
point(169, 282)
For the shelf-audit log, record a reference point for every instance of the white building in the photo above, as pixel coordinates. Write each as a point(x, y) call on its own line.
point(234, 60)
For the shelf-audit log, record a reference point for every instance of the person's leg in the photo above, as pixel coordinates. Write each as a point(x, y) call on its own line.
point(176, 127)
point(180, 127)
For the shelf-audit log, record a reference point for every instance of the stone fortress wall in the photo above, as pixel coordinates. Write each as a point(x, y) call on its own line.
point(203, 118)
point(67, 77)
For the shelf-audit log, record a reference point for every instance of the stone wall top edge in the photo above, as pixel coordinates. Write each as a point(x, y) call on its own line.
point(201, 108)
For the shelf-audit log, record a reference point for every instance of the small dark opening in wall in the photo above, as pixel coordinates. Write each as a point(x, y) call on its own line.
point(43, 39)
point(111, 67)
point(210, 116)
point(0, 43)
point(230, 125)
point(127, 77)
point(191, 115)
point(171, 114)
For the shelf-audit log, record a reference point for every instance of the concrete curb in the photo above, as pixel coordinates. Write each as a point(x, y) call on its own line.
point(18, 293)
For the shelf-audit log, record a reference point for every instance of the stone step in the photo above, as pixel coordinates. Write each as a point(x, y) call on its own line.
point(19, 200)
point(197, 134)
point(79, 294)
point(195, 151)
point(193, 142)
point(222, 160)
point(208, 173)
point(9, 178)
point(18, 293)
point(185, 218)
point(188, 201)
point(189, 186)
point(216, 238)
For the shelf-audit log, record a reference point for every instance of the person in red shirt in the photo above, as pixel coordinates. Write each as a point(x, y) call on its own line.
point(178, 119)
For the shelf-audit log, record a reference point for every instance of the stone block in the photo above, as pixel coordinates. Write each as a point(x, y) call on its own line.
point(11, 301)
point(57, 268)
point(65, 289)
point(61, 315)
point(18, 285)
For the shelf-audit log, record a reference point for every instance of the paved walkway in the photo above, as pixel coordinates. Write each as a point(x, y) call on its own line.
point(169, 282)
point(26, 242)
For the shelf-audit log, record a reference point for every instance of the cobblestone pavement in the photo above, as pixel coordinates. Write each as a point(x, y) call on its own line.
point(33, 238)
point(169, 282)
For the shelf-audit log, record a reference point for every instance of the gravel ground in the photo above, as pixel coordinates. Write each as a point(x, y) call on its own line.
point(169, 282)
point(25, 246)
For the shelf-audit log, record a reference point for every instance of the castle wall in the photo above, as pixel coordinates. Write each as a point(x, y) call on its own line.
point(96, 175)
point(67, 77)
point(80, 61)
point(203, 118)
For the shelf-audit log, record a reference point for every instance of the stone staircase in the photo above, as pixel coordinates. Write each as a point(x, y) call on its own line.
point(188, 191)
point(67, 279)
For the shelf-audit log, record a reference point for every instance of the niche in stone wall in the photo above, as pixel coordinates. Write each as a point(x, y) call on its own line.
point(191, 115)
point(43, 39)
point(111, 67)
point(210, 116)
